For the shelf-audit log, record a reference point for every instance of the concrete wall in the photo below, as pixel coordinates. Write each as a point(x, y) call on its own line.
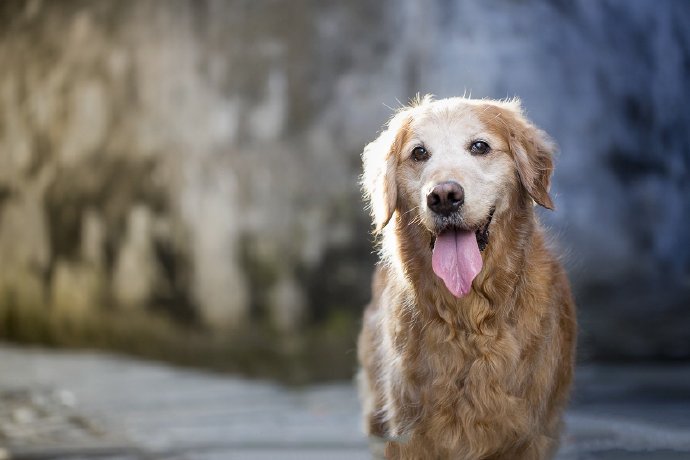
point(199, 159)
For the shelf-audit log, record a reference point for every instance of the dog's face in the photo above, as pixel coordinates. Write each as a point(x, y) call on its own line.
point(450, 165)
point(452, 171)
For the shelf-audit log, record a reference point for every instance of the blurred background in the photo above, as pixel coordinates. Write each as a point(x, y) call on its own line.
point(178, 179)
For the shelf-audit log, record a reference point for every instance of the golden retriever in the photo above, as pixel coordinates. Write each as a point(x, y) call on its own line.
point(468, 344)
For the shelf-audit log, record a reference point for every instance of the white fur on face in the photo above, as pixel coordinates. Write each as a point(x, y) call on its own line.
point(447, 129)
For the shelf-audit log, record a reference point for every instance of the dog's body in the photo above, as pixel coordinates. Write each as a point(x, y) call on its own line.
point(464, 358)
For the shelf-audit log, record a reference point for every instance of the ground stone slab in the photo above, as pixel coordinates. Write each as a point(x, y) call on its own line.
point(81, 405)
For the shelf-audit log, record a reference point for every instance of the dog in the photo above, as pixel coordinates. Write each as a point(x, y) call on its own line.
point(467, 347)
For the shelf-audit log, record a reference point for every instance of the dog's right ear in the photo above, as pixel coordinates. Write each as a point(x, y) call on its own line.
point(380, 159)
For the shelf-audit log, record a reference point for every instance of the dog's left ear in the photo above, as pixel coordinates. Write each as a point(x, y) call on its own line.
point(380, 159)
point(533, 150)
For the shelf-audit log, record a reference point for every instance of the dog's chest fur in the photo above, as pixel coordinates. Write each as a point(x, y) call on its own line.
point(460, 384)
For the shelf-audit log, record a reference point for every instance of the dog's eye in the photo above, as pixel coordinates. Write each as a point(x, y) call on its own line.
point(479, 148)
point(420, 154)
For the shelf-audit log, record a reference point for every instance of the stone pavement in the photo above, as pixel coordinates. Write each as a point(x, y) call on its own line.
point(66, 405)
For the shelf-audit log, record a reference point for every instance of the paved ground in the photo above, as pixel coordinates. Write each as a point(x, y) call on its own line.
point(75, 405)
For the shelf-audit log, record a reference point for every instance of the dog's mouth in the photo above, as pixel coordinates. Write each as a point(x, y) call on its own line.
point(456, 255)
point(481, 233)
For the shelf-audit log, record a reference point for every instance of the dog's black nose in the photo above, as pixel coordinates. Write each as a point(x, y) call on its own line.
point(445, 198)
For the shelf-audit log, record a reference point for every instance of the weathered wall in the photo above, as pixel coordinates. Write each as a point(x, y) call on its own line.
point(200, 158)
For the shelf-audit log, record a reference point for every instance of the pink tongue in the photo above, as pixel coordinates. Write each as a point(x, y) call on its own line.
point(456, 260)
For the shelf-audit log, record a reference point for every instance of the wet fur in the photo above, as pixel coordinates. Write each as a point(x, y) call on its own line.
point(486, 376)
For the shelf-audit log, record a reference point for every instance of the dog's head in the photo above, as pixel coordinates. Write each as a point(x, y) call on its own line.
point(450, 166)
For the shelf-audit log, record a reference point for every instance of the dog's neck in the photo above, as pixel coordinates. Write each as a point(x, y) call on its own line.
point(513, 233)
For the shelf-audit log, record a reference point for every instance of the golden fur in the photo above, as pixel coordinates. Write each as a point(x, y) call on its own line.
point(485, 376)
